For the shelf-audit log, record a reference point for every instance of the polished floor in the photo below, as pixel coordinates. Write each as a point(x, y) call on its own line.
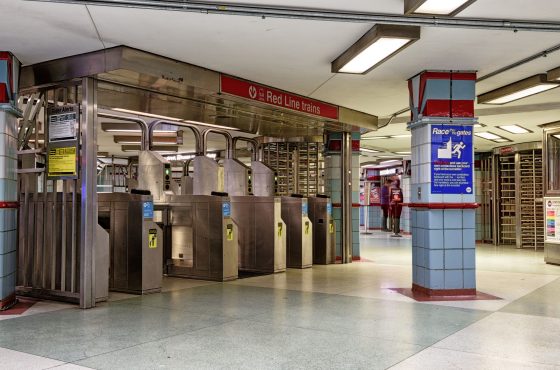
point(327, 317)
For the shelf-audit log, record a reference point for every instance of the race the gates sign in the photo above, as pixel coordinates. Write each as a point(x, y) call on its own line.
point(452, 159)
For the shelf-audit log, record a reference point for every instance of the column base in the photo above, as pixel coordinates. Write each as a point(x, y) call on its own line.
point(8, 302)
point(443, 292)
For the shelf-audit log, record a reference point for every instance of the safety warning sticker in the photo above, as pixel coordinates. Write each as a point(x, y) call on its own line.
point(152, 238)
point(62, 161)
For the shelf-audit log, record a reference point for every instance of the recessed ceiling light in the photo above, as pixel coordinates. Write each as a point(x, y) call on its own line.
point(405, 153)
point(514, 129)
point(435, 7)
point(376, 46)
point(369, 150)
point(374, 137)
point(401, 136)
point(387, 156)
point(488, 135)
point(501, 140)
point(391, 161)
point(479, 125)
point(557, 136)
point(517, 90)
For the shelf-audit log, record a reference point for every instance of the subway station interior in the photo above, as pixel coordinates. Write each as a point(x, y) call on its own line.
point(279, 184)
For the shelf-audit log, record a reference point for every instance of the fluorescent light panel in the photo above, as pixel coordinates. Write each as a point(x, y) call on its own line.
point(553, 75)
point(515, 129)
point(401, 136)
point(376, 46)
point(374, 138)
point(488, 135)
point(404, 153)
point(435, 7)
point(369, 150)
point(517, 90)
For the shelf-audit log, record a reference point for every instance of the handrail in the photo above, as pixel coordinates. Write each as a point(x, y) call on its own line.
point(193, 128)
point(186, 165)
point(254, 143)
point(227, 135)
point(144, 141)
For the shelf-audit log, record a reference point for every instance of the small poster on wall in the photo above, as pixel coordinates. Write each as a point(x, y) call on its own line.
point(552, 220)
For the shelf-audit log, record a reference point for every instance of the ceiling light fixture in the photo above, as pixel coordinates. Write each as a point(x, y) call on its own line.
point(403, 136)
point(390, 161)
point(435, 7)
point(173, 119)
point(369, 150)
point(515, 129)
point(479, 125)
point(375, 47)
point(403, 153)
point(492, 137)
point(553, 75)
point(374, 137)
point(517, 90)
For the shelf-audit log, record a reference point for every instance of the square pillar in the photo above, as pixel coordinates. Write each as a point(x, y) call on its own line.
point(9, 76)
point(442, 194)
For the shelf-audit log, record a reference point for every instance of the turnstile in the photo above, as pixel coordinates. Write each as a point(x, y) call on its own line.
point(320, 214)
point(200, 237)
point(135, 242)
point(262, 233)
point(299, 238)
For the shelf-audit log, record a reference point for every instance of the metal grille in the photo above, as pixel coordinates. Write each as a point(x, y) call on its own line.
point(530, 200)
point(506, 207)
point(486, 203)
point(300, 167)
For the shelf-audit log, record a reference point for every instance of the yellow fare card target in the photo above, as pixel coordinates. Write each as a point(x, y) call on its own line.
point(152, 238)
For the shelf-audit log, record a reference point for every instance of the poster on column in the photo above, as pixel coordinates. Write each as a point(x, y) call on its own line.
point(452, 159)
point(552, 220)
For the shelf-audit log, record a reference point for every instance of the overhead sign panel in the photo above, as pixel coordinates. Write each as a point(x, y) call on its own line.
point(264, 94)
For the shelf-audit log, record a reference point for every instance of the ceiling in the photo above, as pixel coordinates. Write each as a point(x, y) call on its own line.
point(295, 55)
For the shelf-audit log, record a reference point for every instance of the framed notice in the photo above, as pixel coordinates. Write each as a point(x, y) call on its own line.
point(62, 162)
point(452, 159)
point(552, 220)
point(63, 123)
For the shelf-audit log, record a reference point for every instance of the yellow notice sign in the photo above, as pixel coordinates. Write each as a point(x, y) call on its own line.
point(62, 161)
point(229, 232)
point(152, 238)
point(280, 227)
point(331, 228)
point(306, 227)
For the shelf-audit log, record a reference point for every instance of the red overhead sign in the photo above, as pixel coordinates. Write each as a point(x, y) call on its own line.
point(252, 91)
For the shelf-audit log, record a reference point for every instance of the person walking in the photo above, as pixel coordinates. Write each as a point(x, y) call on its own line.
point(396, 201)
point(385, 203)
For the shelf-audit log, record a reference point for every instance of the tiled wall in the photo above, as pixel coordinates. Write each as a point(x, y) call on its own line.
point(333, 187)
point(444, 248)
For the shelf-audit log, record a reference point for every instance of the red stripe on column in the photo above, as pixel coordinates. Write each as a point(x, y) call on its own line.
point(9, 205)
point(444, 205)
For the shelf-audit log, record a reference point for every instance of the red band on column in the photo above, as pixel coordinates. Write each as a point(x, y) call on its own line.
point(444, 205)
point(9, 205)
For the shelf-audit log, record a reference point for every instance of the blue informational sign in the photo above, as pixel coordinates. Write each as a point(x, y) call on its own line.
point(329, 208)
point(452, 159)
point(226, 209)
point(304, 208)
point(148, 209)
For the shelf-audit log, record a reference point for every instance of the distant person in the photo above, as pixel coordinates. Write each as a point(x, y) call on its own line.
point(396, 201)
point(385, 203)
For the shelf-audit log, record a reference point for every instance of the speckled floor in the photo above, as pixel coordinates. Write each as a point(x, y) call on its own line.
point(327, 317)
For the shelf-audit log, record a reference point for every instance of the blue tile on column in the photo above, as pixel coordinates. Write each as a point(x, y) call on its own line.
point(469, 258)
point(434, 239)
point(453, 259)
point(453, 239)
point(435, 279)
point(469, 279)
point(435, 260)
point(453, 279)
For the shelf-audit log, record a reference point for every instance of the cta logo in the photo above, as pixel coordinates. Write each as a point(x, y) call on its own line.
point(253, 92)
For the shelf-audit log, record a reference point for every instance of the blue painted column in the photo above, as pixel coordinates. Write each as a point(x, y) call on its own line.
point(9, 75)
point(442, 194)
